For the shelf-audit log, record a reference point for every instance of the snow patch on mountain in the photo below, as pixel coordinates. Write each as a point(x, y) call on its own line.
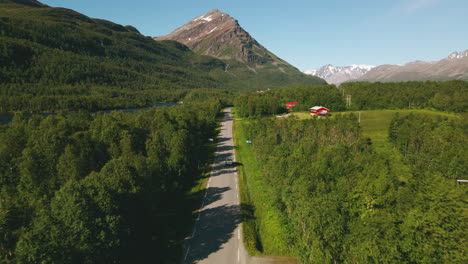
point(458, 55)
point(339, 74)
point(211, 31)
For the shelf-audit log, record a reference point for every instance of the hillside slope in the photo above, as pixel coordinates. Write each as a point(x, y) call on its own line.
point(48, 53)
point(219, 35)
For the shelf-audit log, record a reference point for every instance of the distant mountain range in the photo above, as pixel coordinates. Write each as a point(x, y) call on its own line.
point(453, 67)
point(219, 35)
point(337, 74)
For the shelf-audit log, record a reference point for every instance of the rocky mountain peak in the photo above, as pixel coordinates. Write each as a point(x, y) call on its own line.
point(219, 35)
point(200, 27)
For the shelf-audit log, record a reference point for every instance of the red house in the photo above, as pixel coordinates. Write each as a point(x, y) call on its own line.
point(290, 105)
point(319, 111)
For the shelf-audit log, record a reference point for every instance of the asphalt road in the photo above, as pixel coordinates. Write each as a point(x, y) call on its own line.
point(216, 237)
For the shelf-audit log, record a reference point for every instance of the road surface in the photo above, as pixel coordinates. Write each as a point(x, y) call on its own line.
point(216, 237)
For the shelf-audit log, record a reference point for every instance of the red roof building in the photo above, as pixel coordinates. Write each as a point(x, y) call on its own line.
point(290, 105)
point(319, 111)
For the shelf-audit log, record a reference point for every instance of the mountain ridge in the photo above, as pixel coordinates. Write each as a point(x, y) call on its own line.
point(452, 67)
point(31, 3)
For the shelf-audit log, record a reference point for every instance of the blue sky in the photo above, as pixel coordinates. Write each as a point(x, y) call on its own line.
point(308, 33)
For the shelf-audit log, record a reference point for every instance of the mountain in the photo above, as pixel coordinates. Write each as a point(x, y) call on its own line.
point(55, 58)
point(219, 35)
point(337, 74)
point(453, 67)
point(31, 3)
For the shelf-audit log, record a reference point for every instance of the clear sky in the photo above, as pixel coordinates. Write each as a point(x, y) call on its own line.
point(309, 33)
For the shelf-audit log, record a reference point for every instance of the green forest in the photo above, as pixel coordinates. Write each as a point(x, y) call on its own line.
point(102, 188)
point(325, 195)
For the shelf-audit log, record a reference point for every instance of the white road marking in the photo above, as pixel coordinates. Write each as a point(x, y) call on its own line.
point(186, 254)
point(238, 255)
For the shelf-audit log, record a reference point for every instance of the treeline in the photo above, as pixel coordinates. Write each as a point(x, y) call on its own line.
point(340, 201)
point(450, 96)
point(434, 146)
point(95, 98)
point(273, 101)
point(103, 188)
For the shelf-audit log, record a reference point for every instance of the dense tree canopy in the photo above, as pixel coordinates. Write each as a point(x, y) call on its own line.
point(100, 188)
point(341, 201)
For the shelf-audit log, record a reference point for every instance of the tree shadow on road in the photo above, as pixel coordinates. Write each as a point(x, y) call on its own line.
point(223, 171)
point(222, 139)
point(224, 148)
point(214, 194)
point(215, 228)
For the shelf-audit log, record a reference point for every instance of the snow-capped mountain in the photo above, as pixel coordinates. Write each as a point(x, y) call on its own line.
point(458, 55)
point(340, 74)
